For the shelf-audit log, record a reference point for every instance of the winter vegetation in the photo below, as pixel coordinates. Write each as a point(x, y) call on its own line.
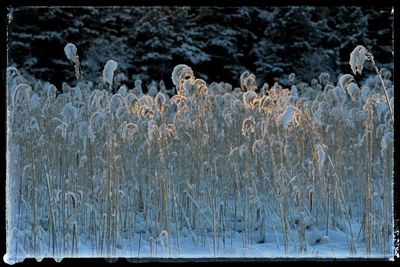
point(222, 42)
point(299, 168)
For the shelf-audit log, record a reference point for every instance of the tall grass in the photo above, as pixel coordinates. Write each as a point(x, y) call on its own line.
point(101, 174)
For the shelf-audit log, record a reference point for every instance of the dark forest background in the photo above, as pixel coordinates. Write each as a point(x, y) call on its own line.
point(218, 43)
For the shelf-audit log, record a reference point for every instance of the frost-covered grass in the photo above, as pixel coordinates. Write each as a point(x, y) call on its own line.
point(211, 171)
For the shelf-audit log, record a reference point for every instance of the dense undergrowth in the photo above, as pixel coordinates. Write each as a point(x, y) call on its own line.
point(101, 174)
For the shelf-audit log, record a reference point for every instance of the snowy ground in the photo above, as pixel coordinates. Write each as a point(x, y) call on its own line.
point(319, 246)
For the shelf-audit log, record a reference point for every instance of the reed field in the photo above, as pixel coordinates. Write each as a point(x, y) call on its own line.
point(203, 169)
